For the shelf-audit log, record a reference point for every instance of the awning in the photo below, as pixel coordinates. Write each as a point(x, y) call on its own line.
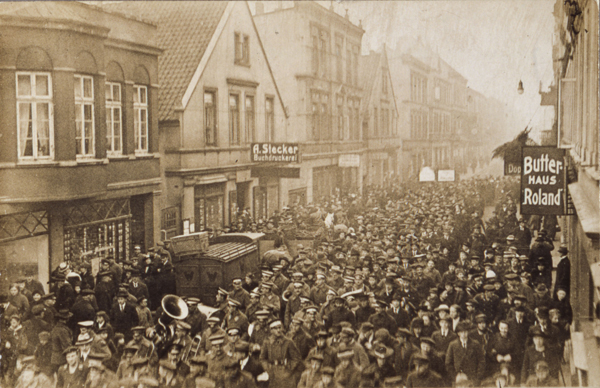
point(586, 211)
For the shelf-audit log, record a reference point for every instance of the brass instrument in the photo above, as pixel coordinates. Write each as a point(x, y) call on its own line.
point(194, 349)
point(174, 309)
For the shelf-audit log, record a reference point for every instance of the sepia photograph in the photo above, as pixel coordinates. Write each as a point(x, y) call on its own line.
point(299, 194)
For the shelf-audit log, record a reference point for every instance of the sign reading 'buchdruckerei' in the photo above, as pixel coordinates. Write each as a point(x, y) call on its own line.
point(543, 181)
point(276, 152)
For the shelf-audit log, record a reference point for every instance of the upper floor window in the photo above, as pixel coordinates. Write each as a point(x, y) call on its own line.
point(242, 49)
point(210, 117)
point(84, 115)
point(250, 121)
point(35, 115)
point(418, 89)
point(234, 119)
point(340, 118)
point(320, 50)
point(114, 125)
point(140, 118)
point(338, 59)
point(270, 118)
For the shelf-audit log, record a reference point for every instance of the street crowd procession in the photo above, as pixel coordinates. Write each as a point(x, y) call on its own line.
point(401, 287)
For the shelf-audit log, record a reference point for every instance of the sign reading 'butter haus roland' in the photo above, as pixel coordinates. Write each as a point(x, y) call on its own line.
point(275, 152)
point(543, 181)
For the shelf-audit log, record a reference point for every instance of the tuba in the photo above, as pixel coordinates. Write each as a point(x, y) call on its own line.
point(174, 309)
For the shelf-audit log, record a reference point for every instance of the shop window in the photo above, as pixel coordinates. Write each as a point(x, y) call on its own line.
point(140, 118)
point(208, 204)
point(114, 126)
point(35, 115)
point(84, 115)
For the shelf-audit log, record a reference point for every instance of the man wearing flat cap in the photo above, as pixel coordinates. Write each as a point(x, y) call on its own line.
point(381, 319)
point(280, 358)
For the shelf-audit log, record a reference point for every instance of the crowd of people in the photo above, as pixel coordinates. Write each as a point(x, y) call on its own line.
point(399, 287)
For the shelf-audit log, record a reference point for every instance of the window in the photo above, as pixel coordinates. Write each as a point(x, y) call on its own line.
point(35, 115)
point(270, 118)
point(384, 81)
point(385, 122)
point(338, 60)
point(140, 118)
point(316, 122)
point(353, 119)
point(375, 123)
point(320, 49)
point(210, 117)
point(84, 115)
point(250, 123)
point(355, 64)
point(242, 49)
point(114, 127)
point(340, 118)
point(234, 119)
point(418, 91)
point(349, 66)
point(418, 124)
point(325, 124)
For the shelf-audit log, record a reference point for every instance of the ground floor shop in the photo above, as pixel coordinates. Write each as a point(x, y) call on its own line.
point(37, 237)
point(214, 201)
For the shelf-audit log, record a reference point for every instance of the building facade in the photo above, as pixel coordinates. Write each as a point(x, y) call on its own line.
point(79, 161)
point(438, 124)
point(576, 130)
point(380, 119)
point(315, 55)
point(219, 98)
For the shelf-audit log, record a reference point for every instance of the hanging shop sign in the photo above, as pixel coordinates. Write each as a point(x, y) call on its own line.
point(512, 163)
point(543, 181)
point(275, 152)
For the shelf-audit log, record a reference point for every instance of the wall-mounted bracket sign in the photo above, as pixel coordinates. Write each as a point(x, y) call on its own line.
point(543, 181)
point(275, 152)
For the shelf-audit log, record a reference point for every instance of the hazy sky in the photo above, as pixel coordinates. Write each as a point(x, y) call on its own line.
point(492, 43)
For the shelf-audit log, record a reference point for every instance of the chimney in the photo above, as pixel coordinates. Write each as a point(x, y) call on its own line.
point(260, 8)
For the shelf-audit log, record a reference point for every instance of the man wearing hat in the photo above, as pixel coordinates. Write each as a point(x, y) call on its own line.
point(347, 373)
point(381, 318)
point(72, 374)
point(48, 302)
point(61, 338)
point(233, 376)
point(542, 377)
point(280, 357)
point(318, 292)
point(138, 288)
point(294, 303)
point(312, 375)
point(217, 356)
point(423, 376)
point(268, 298)
point(323, 349)
point(167, 374)
point(239, 293)
point(382, 368)
point(105, 291)
point(144, 345)
point(444, 336)
point(123, 315)
point(465, 356)
point(35, 325)
point(214, 328)
point(196, 318)
point(241, 353)
point(339, 313)
point(563, 272)
point(234, 317)
point(488, 303)
point(98, 375)
point(539, 351)
point(303, 341)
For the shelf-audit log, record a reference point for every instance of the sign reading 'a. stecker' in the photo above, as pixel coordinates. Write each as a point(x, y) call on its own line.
point(543, 181)
point(275, 152)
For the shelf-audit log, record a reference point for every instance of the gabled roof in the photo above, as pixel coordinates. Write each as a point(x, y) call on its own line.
point(185, 30)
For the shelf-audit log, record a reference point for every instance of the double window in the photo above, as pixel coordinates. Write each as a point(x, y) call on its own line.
point(140, 118)
point(114, 124)
point(418, 90)
point(234, 119)
point(35, 116)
